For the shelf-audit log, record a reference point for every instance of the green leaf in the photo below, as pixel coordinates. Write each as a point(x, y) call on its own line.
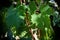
point(45, 8)
point(34, 18)
point(37, 19)
point(41, 20)
point(32, 6)
point(13, 18)
point(46, 20)
point(23, 34)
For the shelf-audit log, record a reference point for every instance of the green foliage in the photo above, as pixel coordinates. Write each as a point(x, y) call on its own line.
point(46, 9)
point(15, 19)
point(32, 6)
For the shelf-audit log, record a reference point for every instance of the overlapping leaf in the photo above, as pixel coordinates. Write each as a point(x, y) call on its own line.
point(13, 17)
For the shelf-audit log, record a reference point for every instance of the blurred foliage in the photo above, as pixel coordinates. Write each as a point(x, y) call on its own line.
point(16, 22)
